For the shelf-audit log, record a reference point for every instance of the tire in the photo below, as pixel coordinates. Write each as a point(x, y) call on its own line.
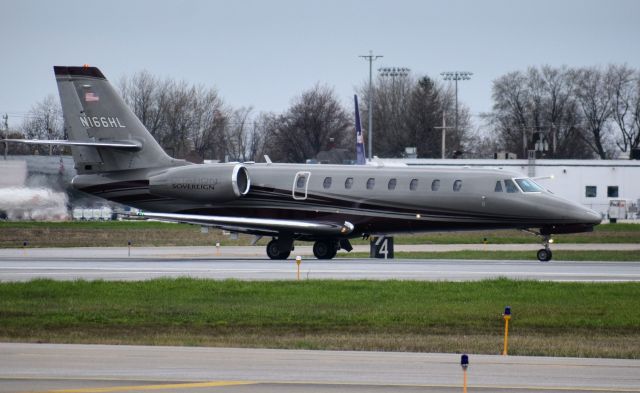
point(324, 249)
point(275, 252)
point(544, 255)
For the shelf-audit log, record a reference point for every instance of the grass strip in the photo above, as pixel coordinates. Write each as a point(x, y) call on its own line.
point(558, 255)
point(149, 233)
point(549, 319)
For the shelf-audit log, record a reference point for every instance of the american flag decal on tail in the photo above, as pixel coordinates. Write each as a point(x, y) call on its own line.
point(91, 97)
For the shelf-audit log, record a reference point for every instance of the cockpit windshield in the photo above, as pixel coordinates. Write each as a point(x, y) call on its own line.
point(528, 185)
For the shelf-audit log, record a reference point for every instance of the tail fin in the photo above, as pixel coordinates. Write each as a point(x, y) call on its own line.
point(96, 115)
point(360, 158)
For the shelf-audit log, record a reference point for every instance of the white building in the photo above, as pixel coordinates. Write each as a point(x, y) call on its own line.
point(593, 183)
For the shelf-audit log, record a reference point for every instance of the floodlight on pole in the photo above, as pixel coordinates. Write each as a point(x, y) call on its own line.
point(371, 57)
point(394, 71)
point(456, 76)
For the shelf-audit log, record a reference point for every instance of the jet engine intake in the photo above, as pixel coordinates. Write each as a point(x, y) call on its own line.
point(214, 183)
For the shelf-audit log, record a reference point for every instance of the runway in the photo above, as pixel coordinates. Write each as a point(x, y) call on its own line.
point(114, 264)
point(100, 368)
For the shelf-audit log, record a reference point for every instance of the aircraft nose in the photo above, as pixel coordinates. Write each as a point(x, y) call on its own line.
point(589, 216)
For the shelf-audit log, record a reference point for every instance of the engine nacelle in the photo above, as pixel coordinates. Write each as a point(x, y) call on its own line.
point(212, 183)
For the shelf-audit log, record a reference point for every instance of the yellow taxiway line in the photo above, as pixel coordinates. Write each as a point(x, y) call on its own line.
point(153, 387)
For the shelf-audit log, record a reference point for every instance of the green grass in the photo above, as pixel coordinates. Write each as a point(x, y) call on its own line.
point(605, 233)
point(554, 319)
point(561, 255)
point(149, 233)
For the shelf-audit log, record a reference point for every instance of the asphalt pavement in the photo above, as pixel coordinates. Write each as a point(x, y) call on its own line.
point(242, 263)
point(122, 368)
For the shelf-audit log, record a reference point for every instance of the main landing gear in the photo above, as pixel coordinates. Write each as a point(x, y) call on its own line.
point(325, 249)
point(281, 247)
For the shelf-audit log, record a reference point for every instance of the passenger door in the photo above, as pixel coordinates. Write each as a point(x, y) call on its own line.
point(300, 185)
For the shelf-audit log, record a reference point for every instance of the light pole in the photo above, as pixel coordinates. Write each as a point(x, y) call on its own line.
point(393, 73)
point(456, 76)
point(371, 57)
point(444, 131)
point(6, 134)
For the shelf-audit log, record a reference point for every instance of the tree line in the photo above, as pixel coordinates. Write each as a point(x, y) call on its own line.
point(586, 112)
point(561, 112)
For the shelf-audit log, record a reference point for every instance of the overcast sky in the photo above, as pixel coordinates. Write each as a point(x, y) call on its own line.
point(263, 53)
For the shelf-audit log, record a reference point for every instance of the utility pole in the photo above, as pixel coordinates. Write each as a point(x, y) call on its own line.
point(444, 130)
point(456, 76)
point(6, 134)
point(371, 57)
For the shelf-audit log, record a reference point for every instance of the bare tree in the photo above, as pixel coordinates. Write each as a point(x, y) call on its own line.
point(595, 94)
point(405, 113)
point(44, 121)
point(314, 120)
point(210, 119)
point(626, 106)
point(183, 118)
point(538, 109)
point(242, 136)
point(146, 95)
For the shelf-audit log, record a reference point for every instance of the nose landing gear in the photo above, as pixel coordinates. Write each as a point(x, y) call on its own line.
point(543, 254)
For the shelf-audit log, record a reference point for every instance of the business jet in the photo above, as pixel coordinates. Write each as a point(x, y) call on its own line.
point(117, 159)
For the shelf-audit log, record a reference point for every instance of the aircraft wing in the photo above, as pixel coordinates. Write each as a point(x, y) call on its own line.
point(256, 225)
point(125, 145)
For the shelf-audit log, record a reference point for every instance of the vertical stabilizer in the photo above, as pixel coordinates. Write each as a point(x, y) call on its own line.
point(94, 112)
point(360, 158)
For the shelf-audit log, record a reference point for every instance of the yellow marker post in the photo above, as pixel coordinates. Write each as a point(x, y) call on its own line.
point(298, 261)
point(464, 363)
point(129, 248)
point(507, 317)
point(218, 249)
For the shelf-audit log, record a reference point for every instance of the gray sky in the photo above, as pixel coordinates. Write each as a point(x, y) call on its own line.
point(263, 53)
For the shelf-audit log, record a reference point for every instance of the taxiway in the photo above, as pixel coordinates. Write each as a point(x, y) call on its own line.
point(102, 368)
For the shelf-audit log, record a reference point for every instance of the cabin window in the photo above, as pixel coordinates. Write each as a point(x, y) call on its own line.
point(498, 186)
point(528, 185)
point(457, 185)
point(591, 191)
point(435, 185)
point(348, 183)
point(301, 181)
point(392, 184)
point(371, 182)
point(612, 192)
point(327, 182)
point(510, 186)
point(413, 185)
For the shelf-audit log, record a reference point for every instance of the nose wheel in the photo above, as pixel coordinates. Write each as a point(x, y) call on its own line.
point(545, 254)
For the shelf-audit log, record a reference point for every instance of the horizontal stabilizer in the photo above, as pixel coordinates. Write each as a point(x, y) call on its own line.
point(123, 145)
point(239, 223)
